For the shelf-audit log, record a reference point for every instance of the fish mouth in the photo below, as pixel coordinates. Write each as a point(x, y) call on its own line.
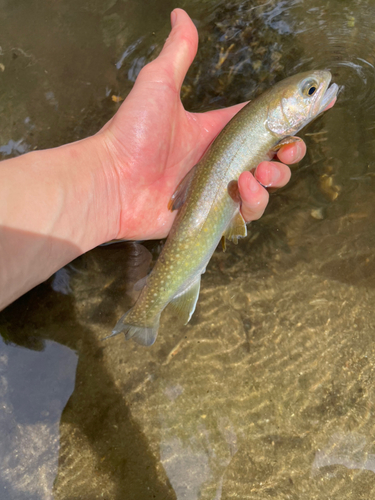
point(329, 96)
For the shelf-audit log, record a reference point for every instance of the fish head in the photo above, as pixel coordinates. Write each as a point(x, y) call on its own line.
point(297, 100)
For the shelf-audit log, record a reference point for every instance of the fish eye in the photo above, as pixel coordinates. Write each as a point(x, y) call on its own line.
point(309, 88)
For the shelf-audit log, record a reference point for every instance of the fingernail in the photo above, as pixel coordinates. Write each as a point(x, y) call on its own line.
point(173, 18)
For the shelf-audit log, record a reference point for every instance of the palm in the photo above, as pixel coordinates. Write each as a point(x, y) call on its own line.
point(157, 147)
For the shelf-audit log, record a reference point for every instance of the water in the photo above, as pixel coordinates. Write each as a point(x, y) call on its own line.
point(269, 391)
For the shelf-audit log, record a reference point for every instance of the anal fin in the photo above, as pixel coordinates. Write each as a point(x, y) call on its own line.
point(184, 304)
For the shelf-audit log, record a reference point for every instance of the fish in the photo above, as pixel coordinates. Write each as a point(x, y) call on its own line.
point(208, 203)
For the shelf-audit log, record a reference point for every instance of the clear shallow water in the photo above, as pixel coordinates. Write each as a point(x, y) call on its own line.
point(269, 391)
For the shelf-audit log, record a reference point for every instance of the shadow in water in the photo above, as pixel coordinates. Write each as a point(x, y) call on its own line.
point(103, 452)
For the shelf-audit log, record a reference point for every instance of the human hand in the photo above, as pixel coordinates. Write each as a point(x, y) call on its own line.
point(117, 184)
point(153, 142)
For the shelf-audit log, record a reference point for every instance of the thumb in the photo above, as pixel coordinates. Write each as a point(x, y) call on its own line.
point(177, 54)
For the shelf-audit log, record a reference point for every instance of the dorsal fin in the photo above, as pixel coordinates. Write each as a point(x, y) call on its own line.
point(179, 196)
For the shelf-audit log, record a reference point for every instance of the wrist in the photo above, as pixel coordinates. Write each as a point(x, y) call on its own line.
point(55, 205)
point(79, 193)
point(97, 186)
point(122, 178)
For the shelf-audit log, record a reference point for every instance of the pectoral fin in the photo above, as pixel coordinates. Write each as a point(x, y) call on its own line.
point(184, 303)
point(179, 196)
point(234, 192)
point(236, 229)
point(287, 140)
point(223, 243)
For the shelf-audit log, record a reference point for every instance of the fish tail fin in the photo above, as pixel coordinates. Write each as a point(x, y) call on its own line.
point(143, 335)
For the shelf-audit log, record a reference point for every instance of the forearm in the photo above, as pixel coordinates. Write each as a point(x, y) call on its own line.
point(54, 206)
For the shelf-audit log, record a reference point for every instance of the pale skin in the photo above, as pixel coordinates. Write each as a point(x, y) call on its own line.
point(59, 203)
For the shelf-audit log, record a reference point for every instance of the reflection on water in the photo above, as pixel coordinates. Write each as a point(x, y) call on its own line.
point(269, 391)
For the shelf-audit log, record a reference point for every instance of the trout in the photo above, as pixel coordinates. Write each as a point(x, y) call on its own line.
point(208, 206)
